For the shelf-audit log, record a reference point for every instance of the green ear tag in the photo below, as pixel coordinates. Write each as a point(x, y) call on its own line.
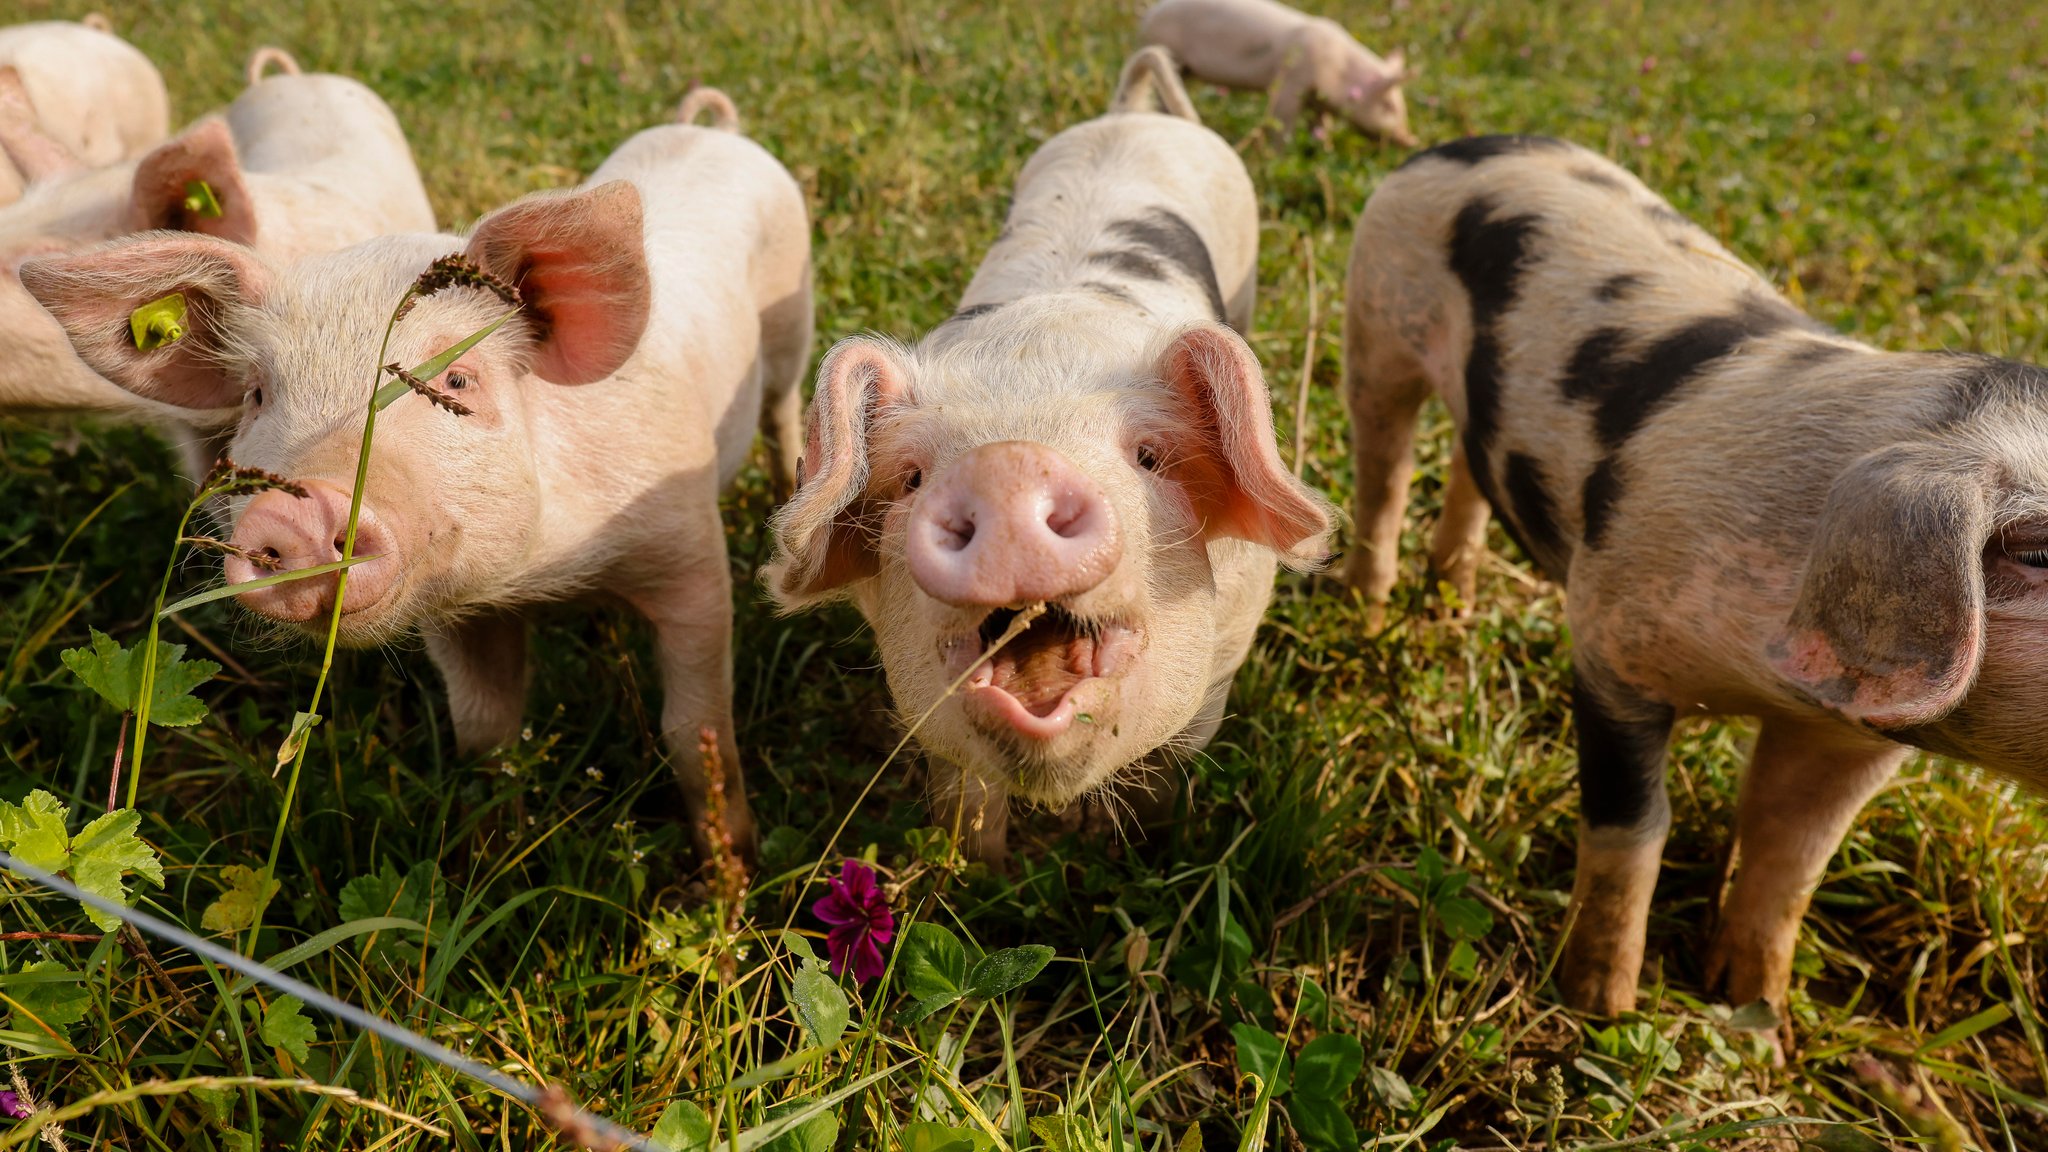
point(158, 322)
point(200, 200)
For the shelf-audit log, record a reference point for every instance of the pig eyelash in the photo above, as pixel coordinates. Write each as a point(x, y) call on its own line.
point(2032, 557)
point(1148, 458)
point(457, 381)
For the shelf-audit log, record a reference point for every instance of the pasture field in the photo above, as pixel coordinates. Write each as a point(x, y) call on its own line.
point(1379, 843)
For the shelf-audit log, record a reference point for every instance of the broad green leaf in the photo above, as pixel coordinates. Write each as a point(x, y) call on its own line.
point(683, 1127)
point(799, 946)
point(1006, 969)
point(1464, 918)
point(814, 1135)
point(1190, 1140)
point(103, 666)
point(931, 962)
point(1322, 1124)
point(227, 590)
point(1262, 1054)
point(115, 673)
point(172, 704)
point(1755, 1016)
point(33, 831)
point(925, 1136)
point(1463, 962)
point(284, 1026)
point(1327, 1065)
point(249, 891)
point(103, 852)
point(1392, 1090)
point(820, 1005)
point(51, 993)
point(385, 893)
point(918, 1010)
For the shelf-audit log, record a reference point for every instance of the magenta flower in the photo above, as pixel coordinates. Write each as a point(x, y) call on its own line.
point(12, 1107)
point(859, 921)
point(1856, 56)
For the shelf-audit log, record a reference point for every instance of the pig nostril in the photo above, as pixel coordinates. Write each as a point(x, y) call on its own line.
point(269, 554)
point(1068, 524)
point(958, 534)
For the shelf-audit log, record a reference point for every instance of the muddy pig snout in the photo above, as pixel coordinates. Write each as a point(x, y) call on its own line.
point(300, 532)
point(1010, 523)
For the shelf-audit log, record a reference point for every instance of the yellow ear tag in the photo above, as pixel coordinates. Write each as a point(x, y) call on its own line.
point(200, 200)
point(158, 322)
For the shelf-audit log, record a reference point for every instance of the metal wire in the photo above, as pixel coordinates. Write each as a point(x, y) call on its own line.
point(591, 1130)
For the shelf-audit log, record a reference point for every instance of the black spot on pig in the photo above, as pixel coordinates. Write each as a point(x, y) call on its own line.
point(1116, 292)
point(1535, 514)
point(1809, 353)
point(1615, 287)
point(1479, 149)
point(1625, 389)
point(1622, 745)
point(1488, 256)
point(1159, 240)
point(1986, 382)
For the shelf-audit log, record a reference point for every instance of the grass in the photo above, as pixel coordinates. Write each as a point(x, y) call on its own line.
point(1898, 193)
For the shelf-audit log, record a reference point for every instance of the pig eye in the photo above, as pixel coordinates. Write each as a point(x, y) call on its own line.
point(1148, 458)
point(912, 482)
point(457, 381)
point(255, 397)
point(2032, 557)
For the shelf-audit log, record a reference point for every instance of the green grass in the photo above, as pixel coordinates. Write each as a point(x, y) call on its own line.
point(1901, 199)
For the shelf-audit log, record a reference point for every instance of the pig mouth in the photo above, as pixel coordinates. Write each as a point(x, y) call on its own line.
point(1034, 685)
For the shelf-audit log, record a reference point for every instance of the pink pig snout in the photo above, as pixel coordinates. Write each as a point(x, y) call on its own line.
point(1011, 523)
point(300, 532)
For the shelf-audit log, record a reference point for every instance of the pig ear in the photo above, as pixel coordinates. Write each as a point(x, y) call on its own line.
point(1397, 66)
point(825, 535)
point(580, 262)
point(1232, 470)
point(33, 151)
point(193, 183)
point(93, 295)
point(1888, 629)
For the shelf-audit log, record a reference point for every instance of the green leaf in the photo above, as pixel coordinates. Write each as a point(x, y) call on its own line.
point(1064, 1133)
point(1322, 1124)
point(813, 1135)
point(1262, 1054)
point(1007, 969)
point(227, 590)
point(1190, 1140)
point(171, 703)
point(925, 1136)
point(683, 1127)
point(1392, 1090)
point(1755, 1016)
point(918, 1010)
point(1463, 962)
point(105, 850)
point(1964, 1029)
point(799, 946)
point(1842, 1138)
point(284, 1026)
point(820, 1005)
point(115, 673)
point(33, 831)
point(51, 993)
point(386, 893)
point(931, 963)
point(103, 666)
point(1464, 918)
point(1327, 1065)
point(249, 891)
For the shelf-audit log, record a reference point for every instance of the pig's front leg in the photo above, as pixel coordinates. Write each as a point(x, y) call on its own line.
point(692, 618)
point(974, 810)
point(482, 659)
point(1623, 818)
point(1805, 785)
point(1292, 88)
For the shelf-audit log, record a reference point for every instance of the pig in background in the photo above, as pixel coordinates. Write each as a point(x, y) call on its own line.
point(297, 164)
point(1302, 60)
point(1754, 515)
point(667, 311)
point(1088, 432)
point(88, 96)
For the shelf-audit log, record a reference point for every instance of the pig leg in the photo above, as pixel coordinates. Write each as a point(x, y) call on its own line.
point(1384, 387)
point(692, 618)
point(1623, 818)
point(785, 356)
point(482, 658)
point(1805, 785)
point(976, 811)
point(1291, 90)
point(1459, 543)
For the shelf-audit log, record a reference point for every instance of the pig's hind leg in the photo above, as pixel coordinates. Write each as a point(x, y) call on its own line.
point(482, 659)
point(1385, 383)
point(1804, 787)
point(785, 361)
point(1624, 815)
point(1458, 545)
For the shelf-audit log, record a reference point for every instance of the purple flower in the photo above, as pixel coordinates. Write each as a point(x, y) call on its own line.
point(12, 1107)
point(859, 919)
point(1856, 56)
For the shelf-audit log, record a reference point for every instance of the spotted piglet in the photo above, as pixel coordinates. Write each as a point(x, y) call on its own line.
point(1088, 433)
point(1754, 516)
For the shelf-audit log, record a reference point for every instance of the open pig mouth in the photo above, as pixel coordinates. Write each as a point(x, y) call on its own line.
point(1038, 684)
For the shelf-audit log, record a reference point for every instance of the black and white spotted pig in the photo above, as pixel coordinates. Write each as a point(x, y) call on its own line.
point(1753, 514)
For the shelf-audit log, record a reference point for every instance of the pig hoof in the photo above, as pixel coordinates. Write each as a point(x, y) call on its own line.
point(1596, 989)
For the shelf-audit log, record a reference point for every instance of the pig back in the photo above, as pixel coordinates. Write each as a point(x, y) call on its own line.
point(329, 163)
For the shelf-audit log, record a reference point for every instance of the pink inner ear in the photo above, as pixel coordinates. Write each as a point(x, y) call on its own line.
point(1885, 700)
point(204, 153)
point(93, 293)
point(1236, 480)
point(580, 263)
point(826, 549)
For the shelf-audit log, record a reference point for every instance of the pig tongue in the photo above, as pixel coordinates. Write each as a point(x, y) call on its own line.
point(1040, 667)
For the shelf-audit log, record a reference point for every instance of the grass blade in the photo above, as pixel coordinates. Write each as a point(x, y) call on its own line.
point(227, 590)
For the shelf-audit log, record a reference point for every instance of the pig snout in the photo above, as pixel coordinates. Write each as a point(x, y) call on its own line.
point(299, 532)
point(1011, 523)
